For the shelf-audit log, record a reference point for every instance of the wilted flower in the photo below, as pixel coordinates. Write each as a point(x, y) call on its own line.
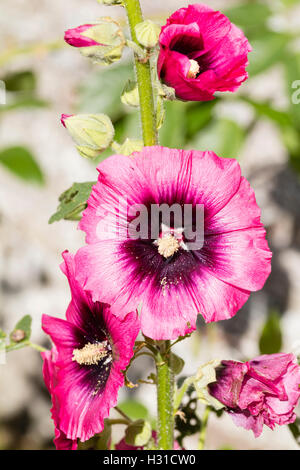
point(173, 278)
point(92, 133)
point(102, 41)
point(93, 348)
point(265, 390)
point(202, 52)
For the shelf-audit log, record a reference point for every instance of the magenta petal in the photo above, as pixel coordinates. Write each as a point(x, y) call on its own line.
point(75, 38)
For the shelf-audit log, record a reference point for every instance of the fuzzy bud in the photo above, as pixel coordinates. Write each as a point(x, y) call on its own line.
point(102, 41)
point(92, 133)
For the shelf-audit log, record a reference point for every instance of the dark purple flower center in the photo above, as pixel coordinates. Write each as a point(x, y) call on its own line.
point(94, 353)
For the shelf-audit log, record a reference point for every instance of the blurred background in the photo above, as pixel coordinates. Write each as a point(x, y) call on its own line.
point(259, 125)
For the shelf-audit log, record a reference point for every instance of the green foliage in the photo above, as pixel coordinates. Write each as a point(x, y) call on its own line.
point(22, 163)
point(295, 430)
point(270, 340)
point(222, 136)
point(138, 433)
point(21, 91)
point(24, 81)
point(101, 91)
point(72, 202)
point(2, 334)
point(134, 409)
point(23, 325)
point(249, 15)
point(177, 363)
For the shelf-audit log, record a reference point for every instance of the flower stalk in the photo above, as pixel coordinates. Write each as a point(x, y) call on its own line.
point(143, 75)
point(165, 378)
point(165, 393)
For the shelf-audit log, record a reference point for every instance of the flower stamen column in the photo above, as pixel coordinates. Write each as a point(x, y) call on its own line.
point(165, 379)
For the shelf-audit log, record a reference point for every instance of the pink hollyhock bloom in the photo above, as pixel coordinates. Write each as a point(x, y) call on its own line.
point(173, 281)
point(50, 371)
point(93, 348)
point(75, 36)
point(202, 52)
point(122, 445)
point(262, 391)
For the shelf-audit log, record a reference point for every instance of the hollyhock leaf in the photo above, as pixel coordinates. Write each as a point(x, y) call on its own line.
point(104, 438)
point(173, 131)
point(176, 363)
point(197, 116)
point(101, 91)
point(270, 340)
point(295, 430)
point(267, 51)
point(24, 81)
point(130, 95)
point(138, 433)
point(265, 109)
point(22, 330)
point(249, 15)
point(224, 137)
point(72, 202)
point(134, 409)
point(21, 162)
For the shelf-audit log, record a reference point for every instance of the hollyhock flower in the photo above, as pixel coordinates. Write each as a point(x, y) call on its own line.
point(202, 52)
point(262, 391)
point(173, 279)
point(122, 445)
point(103, 41)
point(93, 348)
point(50, 371)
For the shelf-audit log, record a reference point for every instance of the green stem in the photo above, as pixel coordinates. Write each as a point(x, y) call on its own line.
point(24, 344)
point(124, 415)
point(165, 378)
point(165, 393)
point(204, 422)
point(143, 74)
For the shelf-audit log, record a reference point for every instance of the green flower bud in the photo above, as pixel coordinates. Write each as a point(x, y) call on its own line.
point(130, 95)
point(92, 133)
point(147, 33)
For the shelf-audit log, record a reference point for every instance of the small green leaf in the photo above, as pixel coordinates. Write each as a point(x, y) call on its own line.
point(295, 430)
point(24, 81)
point(21, 162)
point(134, 409)
point(72, 202)
point(104, 438)
point(2, 334)
point(138, 433)
point(23, 325)
point(176, 363)
point(270, 341)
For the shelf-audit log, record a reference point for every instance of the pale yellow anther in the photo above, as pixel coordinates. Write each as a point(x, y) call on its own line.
point(167, 245)
point(194, 69)
point(90, 354)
